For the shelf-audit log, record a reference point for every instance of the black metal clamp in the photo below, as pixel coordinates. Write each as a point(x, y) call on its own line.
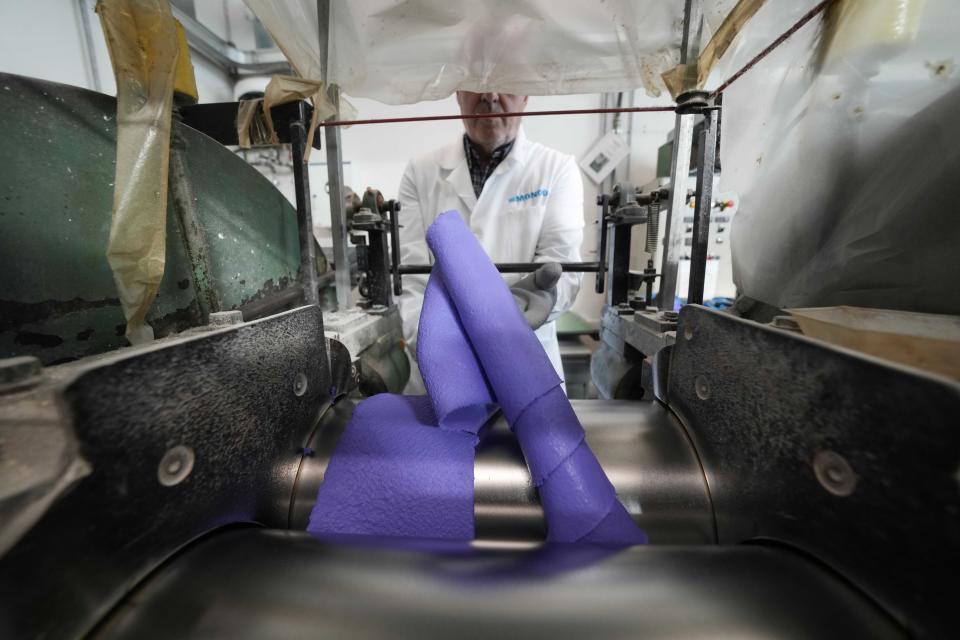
point(376, 217)
point(620, 211)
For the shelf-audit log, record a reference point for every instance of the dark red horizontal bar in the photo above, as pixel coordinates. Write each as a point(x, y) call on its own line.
point(477, 116)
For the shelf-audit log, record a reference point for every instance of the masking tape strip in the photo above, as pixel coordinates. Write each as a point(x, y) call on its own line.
point(141, 37)
point(687, 77)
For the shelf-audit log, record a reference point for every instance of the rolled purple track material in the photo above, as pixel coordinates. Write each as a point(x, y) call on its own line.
point(509, 353)
point(456, 385)
point(579, 503)
point(404, 465)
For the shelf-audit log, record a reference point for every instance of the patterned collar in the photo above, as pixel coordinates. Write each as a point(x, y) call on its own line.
point(480, 171)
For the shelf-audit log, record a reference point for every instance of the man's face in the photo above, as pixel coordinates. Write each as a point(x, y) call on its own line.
point(490, 133)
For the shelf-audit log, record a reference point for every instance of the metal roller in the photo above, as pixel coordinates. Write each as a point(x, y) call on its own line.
point(641, 446)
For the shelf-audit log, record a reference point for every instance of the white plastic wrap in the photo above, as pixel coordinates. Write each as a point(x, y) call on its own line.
point(844, 146)
point(401, 52)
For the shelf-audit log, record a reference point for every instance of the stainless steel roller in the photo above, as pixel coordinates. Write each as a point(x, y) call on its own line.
point(640, 445)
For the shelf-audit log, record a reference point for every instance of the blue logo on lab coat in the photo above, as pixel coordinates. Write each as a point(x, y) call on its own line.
point(523, 197)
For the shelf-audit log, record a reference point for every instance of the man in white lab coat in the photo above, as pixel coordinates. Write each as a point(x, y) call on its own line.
point(522, 200)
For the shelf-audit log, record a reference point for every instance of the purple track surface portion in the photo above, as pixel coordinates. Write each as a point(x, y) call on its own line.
point(404, 465)
point(394, 473)
point(457, 387)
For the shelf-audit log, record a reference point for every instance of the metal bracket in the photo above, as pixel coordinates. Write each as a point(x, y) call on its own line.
point(840, 455)
point(183, 436)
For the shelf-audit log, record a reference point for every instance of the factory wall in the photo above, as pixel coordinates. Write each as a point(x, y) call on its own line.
point(46, 39)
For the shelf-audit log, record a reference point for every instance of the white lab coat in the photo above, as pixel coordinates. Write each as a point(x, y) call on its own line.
point(530, 210)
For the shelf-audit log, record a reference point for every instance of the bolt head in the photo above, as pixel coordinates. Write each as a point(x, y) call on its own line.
point(300, 384)
point(175, 465)
point(834, 473)
point(701, 387)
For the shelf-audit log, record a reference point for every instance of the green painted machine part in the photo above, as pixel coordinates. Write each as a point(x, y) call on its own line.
point(231, 235)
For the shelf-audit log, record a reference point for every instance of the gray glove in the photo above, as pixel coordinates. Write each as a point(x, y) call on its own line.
point(536, 293)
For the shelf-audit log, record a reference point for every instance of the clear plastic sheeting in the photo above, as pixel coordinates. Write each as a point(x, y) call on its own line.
point(692, 76)
point(141, 36)
point(843, 146)
point(401, 52)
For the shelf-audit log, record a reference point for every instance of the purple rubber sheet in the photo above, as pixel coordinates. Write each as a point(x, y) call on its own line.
point(404, 464)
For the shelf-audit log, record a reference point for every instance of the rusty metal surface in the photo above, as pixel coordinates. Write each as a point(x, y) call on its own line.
point(57, 297)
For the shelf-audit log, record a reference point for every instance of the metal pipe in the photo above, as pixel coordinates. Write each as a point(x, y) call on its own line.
point(510, 267)
point(226, 56)
point(89, 52)
point(673, 227)
point(338, 214)
point(704, 204)
point(680, 163)
point(641, 446)
point(301, 179)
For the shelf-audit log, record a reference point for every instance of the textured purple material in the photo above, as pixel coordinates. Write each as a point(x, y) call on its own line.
point(394, 473)
point(579, 503)
point(404, 465)
point(510, 354)
point(550, 434)
point(458, 389)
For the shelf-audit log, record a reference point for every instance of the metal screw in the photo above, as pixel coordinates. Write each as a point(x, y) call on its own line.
point(834, 473)
point(175, 465)
point(702, 387)
point(669, 315)
point(300, 384)
point(225, 318)
point(19, 372)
